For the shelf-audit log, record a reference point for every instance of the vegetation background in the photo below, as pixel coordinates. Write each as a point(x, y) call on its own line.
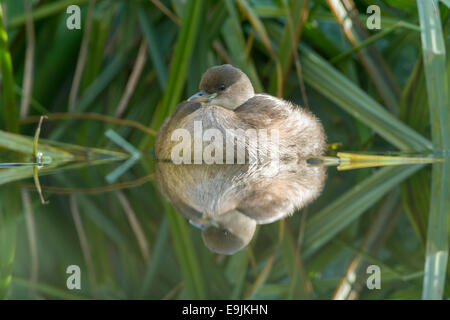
point(374, 90)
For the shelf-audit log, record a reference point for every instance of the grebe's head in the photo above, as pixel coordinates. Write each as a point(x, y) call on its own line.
point(224, 86)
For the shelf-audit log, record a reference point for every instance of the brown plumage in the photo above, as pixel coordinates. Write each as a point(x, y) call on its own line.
point(227, 201)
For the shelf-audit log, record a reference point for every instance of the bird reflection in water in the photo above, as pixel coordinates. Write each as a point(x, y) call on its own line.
point(227, 200)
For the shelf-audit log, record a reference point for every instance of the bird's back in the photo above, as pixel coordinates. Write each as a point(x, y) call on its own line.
point(301, 134)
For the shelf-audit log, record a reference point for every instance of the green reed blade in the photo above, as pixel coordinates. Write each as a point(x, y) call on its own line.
point(186, 254)
point(153, 48)
point(45, 11)
point(9, 96)
point(434, 56)
point(329, 221)
point(154, 264)
point(179, 66)
point(446, 2)
point(235, 40)
point(328, 81)
point(9, 210)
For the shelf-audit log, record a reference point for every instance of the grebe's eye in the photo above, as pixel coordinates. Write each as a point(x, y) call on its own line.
point(221, 87)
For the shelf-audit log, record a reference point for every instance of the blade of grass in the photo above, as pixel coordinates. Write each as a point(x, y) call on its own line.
point(135, 225)
point(153, 48)
point(167, 11)
point(101, 28)
point(375, 66)
point(94, 90)
point(329, 221)
point(9, 210)
point(93, 212)
point(84, 243)
point(58, 166)
point(446, 2)
point(29, 62)
point(109, 73)
point(351, 284)
point(370, 40)
point(185, 251)
point(434, 55)
point(261, 30)
point(9, 96)
point(61, 51)
point(268, 11)
point(133, 80)
point(154, 264)
point(437, 236)
point(200, 52)
point(296, 16)
point(179, 66)
point(416, 202)
point(24, 144)
point(235, 41)
point(392, 273)
point(299, 287)
point(386, 22)
point(98, 247)
point(32, 239)
point(44, 11)
point(336, 87)
point(414, 104)
point(236, 271)
point(260, 279)
point(32, 102)
point(414, 111)
point(264, 274)
point(81, 62)
point(49, 290)
point(217, 285)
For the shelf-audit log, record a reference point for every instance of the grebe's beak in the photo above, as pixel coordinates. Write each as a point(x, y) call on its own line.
point(202, 96)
